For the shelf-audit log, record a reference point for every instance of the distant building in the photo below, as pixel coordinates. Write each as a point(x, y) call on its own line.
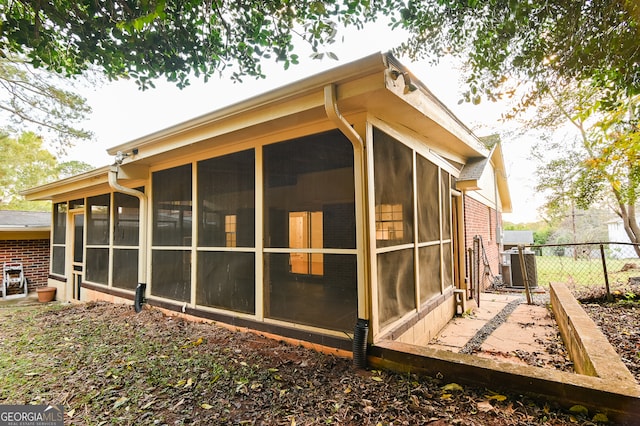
point(24, 239)
point(511, 239)
point(617, 234)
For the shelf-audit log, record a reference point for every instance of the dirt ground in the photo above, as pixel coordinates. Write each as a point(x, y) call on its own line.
point(107, 365)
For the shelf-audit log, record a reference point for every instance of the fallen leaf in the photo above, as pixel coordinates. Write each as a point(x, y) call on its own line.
point(147, 405)
point(189, 383)
point(377, 378)
point(347, 390)
point(120, 401)
point(600, 418)
point(71, 412)
point(206, 406)
point(579, 409)
point(496, 397)
point(178, 404)
point(485, 406)
point(452, 387)
point(415, 400)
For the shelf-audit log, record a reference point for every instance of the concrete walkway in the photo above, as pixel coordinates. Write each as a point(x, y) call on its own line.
point(505, 328)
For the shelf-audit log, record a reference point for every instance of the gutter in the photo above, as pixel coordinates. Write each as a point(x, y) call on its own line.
point(142, 244)
point(361, 331)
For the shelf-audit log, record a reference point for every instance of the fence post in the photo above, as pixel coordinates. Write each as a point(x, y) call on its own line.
point(523, 269)
point(606, 275)
point(476, 269)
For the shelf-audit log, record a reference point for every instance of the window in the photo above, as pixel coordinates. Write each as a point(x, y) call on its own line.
point(389, 222)
point(59, 238)
point(305, 231)
point(231, 237)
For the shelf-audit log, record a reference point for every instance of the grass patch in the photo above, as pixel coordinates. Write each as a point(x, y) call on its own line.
point(584, 272)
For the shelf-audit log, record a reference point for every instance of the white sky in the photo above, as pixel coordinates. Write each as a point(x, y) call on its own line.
point(122, 113)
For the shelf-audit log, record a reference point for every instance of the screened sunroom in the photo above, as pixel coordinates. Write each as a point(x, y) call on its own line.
point(297, 213)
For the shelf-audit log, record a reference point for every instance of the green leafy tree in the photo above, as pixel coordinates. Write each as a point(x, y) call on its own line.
point(601, 165)
point(501, 40)
point(145, 39)
point(25, 163)
point(508, 43)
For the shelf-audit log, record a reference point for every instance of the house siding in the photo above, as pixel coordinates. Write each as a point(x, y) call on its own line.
point(34, 256)
point(481, 220)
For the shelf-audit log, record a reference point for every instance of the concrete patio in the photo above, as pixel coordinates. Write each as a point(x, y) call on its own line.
point(482, 346)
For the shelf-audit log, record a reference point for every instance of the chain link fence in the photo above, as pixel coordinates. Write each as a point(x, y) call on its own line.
point(584, 267)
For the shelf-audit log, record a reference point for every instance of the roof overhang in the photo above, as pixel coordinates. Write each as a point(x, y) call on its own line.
point(472, 172)
point(497, 159)
point(24, 233)
point(377, 85)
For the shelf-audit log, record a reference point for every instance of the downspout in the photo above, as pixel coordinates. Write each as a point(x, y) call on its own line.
point(361, 331)
point(142, 244)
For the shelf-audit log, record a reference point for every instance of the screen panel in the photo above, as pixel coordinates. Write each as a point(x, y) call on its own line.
point(226, 205)
point(172, 218)
point(171, 274)
point(393, 175)
point(226, 280)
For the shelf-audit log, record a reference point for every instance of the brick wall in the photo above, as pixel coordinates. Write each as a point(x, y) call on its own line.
point(481, 220)
point(34, 256)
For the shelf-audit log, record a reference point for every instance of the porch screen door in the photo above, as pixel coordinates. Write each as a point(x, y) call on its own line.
point(78, 255)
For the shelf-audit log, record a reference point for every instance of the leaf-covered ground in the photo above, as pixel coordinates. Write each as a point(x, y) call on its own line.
point(107, 365)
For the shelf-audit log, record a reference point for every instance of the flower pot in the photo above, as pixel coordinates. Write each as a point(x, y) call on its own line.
point(46, 294)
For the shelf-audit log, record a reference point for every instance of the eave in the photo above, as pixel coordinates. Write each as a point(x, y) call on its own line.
point(377, 85)
point(24, 233)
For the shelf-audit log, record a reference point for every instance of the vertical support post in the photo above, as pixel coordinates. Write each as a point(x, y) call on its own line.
point(525, 277)
point(475, 267)
point(606, 275)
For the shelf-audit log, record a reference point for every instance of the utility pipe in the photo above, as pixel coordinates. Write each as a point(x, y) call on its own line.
point(361, 332)
point(142, 244)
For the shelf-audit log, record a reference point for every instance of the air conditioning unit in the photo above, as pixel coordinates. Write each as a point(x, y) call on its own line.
point(512, 269)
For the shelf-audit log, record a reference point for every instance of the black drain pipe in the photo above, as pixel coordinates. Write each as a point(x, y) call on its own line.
point(360, 336)
point(139, 299)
